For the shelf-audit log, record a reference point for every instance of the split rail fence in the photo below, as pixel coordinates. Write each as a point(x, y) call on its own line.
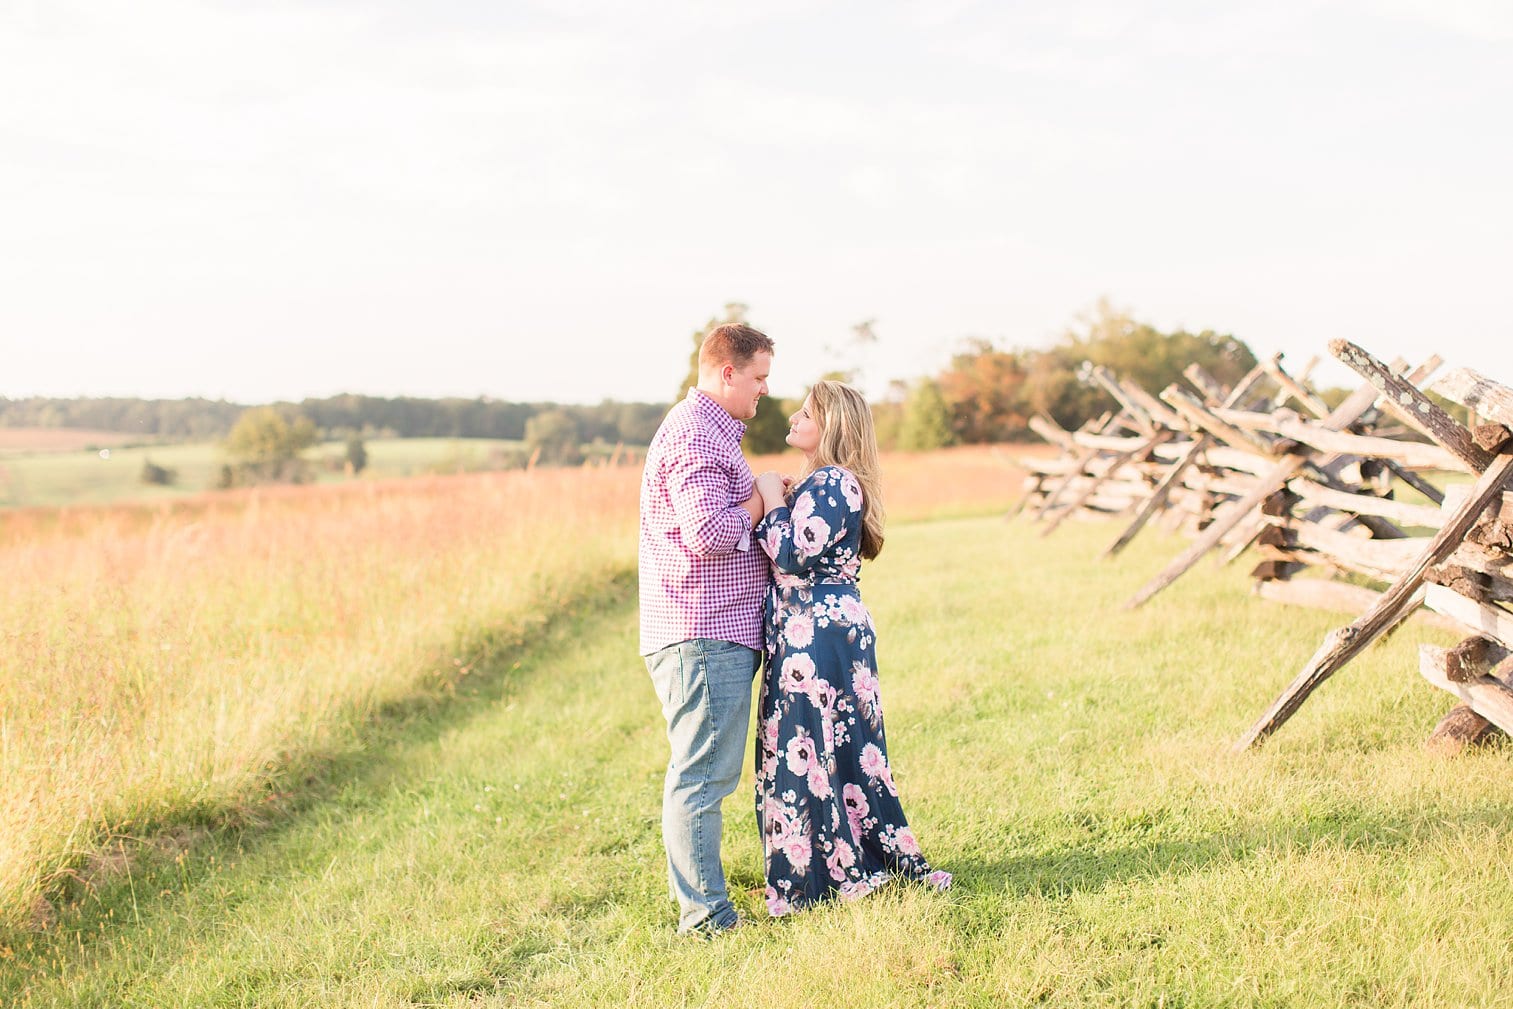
point(1384, 488)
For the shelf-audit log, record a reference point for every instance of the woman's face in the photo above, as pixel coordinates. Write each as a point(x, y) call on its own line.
point(803, 432)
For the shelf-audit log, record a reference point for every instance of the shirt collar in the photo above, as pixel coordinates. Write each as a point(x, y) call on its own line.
point(716, 414)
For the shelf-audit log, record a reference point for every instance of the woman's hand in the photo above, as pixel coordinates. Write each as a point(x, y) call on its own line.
point(772, 486)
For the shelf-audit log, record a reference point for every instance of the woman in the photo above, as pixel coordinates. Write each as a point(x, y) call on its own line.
point(829, 813)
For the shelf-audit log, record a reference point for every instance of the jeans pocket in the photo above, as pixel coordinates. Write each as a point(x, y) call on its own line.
point(728, 670)
point(667, 675)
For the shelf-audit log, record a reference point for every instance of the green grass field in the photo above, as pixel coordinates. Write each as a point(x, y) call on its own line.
point(35, 479)
point(1070, 762)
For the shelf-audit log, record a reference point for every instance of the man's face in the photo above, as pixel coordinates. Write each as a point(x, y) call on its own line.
point(745, 387)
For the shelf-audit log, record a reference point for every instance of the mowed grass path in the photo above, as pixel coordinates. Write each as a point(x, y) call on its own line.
point(1068, 761)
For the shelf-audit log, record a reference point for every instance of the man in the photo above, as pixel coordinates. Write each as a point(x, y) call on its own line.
point(702, 579)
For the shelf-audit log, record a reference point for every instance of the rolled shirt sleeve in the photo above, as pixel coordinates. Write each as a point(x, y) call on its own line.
point(701, 493)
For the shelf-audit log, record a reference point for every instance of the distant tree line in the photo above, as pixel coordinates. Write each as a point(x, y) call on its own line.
point(986, 394)
point(341, 416)
point(989, 394)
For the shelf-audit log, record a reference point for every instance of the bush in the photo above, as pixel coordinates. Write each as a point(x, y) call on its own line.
point(158, 476)
point(357, 454)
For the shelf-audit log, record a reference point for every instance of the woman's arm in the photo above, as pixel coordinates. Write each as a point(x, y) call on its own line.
point(797, 537)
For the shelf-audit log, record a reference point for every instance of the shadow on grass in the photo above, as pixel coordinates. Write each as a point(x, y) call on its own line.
point(132, 874)
point(1107, 856)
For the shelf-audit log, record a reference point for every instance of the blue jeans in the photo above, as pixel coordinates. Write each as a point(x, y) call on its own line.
point(705, 689)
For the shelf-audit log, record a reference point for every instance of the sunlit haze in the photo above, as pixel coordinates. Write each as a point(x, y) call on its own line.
point(543, 200)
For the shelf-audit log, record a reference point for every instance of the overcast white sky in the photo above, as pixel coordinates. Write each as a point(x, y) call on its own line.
point(542, 199)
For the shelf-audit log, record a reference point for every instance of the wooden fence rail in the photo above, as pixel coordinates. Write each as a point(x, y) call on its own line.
point(1374, 489)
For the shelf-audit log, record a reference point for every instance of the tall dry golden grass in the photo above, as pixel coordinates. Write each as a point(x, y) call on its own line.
point(163, 663)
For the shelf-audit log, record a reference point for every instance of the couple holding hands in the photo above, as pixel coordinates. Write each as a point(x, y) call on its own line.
point(734, 568)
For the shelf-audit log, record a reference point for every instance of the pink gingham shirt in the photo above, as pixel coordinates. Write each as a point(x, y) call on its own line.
point(700, 577)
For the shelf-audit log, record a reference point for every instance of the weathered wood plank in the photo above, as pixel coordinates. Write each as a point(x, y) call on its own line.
point(1487, 619)
point(1054, 496)
point(1114, 464)
point(1319, 594)
point(1473, 657)
point(1232, 484)
point(1345, 414)
point(1488, 696)
point(1415, 454)
point(1342, 597)
point(1202, 446)
point(1293, 388)
point(1462, 727)
point(1406, 401)
point(1491, 437)
point(1384, 559)
point(1201, 417)
point(1343, 644)
point(1459, 730)
point(1109, 442)
point(1475, 391)
point(1158, 411)
point(1313, 492)
point(1212, 389)
point(1043, 425)
point(1106, 381)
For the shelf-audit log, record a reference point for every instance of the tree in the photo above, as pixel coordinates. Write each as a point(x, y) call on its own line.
point(555, 434)
point(263, 435)
point(1132, 350)
point(852, 351)
point(984, 393)
point(926, 420)
point(265, 445)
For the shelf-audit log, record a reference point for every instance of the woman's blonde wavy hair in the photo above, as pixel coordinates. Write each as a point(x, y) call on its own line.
point(847, 438)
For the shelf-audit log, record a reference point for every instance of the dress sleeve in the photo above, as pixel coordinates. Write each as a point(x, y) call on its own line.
point(824, 509)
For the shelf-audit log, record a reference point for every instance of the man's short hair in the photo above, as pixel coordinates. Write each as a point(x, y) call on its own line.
point(733, 343)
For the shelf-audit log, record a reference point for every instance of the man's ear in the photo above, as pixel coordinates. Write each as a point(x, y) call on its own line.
point(727, 374)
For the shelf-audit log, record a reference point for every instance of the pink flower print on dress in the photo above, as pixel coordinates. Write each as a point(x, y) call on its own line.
point(875, 766)
point(939, 880)
point(819, 781)
point(797, 673)
point(784, 580)
point(803, 509)
point(857, 806)
point(906, 842)
point(770, 728)
point(864, 683)
point(839, 860)
point(821, 694)
point(852, 890)
point(798, 852)
point(854, 612)
point(798, 630)
point(811, 536)
point(777, 905)
point(772, 540)
point(800, 753)
point(851, 490)
point(777, 823)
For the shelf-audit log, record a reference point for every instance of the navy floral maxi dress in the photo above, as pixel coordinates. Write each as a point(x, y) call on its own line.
point(826, 805)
